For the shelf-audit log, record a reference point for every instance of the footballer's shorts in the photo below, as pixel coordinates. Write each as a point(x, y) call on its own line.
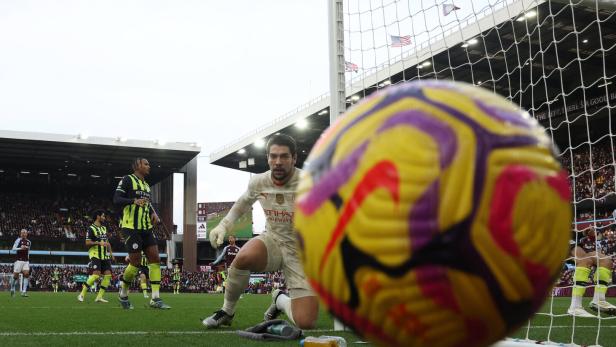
point(96, 264)
point(137, 240)
point(21, 266)
point(144, 270)
point(285, 257)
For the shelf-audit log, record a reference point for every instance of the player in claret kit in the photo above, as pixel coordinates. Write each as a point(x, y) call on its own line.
point(22, 264)
point(228, 253)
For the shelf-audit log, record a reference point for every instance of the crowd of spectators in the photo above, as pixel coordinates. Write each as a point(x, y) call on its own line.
point(270, 282)
point(593, 174)
point(40, 276)
point(190, 282)
point(217, 207)
point(66, 218)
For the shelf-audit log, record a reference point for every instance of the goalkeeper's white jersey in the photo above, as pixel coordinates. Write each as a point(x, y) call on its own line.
point(277, 203)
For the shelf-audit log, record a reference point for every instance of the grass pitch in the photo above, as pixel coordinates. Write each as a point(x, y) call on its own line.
point(58, 319)
point(552, 323)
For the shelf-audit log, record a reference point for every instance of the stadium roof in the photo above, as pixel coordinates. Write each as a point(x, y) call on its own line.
point(494, 62)
point(77, 155)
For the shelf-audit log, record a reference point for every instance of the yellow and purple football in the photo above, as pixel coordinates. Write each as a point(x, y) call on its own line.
point(433, 214)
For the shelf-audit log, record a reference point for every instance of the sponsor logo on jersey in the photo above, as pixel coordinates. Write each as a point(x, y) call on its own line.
point(279, 199)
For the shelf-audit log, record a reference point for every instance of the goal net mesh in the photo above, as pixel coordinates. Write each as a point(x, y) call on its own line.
point(556, 59)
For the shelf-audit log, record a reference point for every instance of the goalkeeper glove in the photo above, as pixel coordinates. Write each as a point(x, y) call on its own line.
point(217, 235)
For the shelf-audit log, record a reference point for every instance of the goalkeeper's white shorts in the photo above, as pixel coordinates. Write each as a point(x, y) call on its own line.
point(285, 257)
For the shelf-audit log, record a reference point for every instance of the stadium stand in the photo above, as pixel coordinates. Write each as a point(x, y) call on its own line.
point(599, 178)
point(50, 183)
point(191, 281)
point(49, 218)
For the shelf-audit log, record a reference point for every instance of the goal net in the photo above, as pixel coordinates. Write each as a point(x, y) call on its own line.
point(554, 58)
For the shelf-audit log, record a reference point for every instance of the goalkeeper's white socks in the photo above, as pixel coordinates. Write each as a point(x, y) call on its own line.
point(236, 284)
point(283, 303)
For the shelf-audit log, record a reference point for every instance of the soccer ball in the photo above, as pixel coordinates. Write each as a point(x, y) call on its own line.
point(433, 214)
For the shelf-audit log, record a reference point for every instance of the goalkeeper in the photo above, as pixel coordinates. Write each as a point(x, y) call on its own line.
point(273, 250)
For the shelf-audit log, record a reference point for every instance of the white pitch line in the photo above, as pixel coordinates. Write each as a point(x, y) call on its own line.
point(567, 326)
point(218, 332)
point(90, 307)
point(89, 333)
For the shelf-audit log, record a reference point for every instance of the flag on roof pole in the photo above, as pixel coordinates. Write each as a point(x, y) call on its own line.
point(399, 41)
point(448, 8)
point(350, 67)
